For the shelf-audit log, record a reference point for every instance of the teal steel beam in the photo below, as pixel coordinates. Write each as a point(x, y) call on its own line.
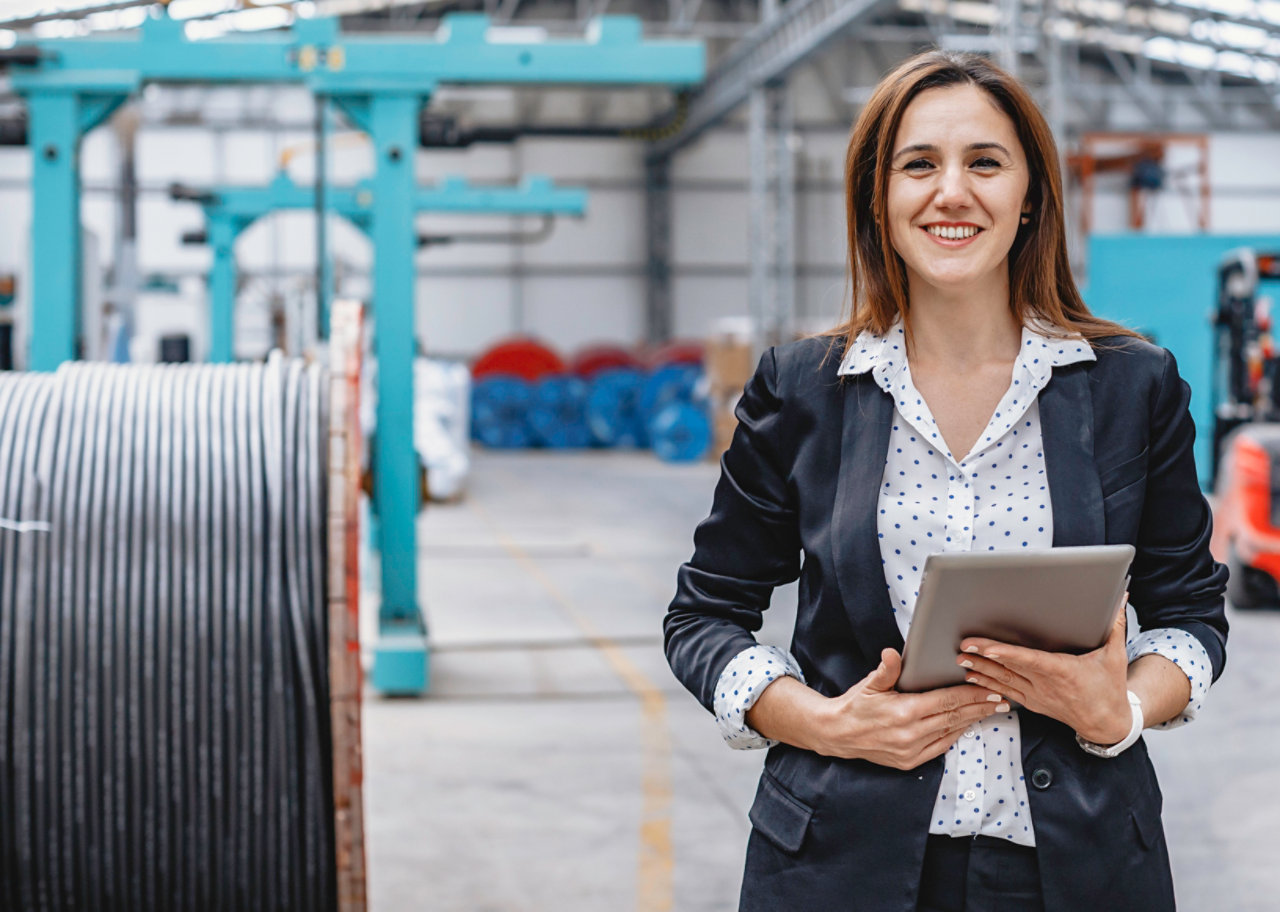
point(324, 266)
point(57, 122)
point(393, 120)
point(315, 52)
point(223, 231)
point(55, 228)
point(231, 210)
point(534, 195)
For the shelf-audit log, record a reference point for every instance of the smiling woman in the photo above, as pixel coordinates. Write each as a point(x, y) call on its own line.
point(973, 404)
point(958, 180)
point(988, 126)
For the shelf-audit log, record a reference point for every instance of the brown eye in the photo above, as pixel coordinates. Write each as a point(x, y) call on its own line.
point(986, 162)
point(920, 164)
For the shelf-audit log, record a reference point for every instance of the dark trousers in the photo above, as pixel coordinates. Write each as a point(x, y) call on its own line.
point(982, 874)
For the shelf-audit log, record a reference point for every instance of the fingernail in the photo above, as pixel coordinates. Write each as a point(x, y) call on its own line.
point(988, 655)
point(971, 649)
point(971, 680)
point(994, 698)
point(966, 664)
point(1002, 707)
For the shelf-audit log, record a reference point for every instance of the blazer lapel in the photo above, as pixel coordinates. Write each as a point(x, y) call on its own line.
point(868, 420)
point(1075, 491)
point(1066, 428)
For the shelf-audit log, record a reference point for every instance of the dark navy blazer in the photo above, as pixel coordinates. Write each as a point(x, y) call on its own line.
point(797, 498)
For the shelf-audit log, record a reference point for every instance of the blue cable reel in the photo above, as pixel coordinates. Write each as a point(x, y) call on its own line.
point(500, 412)
point(681, 432)
point(670, 383)
point(613, 408)
point(557, 412)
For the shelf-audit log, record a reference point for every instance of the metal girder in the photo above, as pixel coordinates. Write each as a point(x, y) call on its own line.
point(316, 53)
point(229, 211)
point(1136, 84)
point(771, 214)
point(657, 209)
point(1184, 15)
point(1239, 108)
point(1153, 87)
point(767, 54)
point(684, 12)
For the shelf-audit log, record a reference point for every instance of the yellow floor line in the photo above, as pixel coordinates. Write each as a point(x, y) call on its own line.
point(654, 892)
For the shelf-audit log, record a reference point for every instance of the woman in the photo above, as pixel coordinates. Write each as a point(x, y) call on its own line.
point(971, 402)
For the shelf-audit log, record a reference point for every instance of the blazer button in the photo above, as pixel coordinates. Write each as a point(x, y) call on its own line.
point(1042, 778)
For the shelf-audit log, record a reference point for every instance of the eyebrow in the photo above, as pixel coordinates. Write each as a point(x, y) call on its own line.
point(972, 147)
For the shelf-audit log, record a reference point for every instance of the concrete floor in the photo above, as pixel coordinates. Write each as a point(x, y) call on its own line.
point(557, 765)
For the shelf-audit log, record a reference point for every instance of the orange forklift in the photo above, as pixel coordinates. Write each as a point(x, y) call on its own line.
point(1246, 433)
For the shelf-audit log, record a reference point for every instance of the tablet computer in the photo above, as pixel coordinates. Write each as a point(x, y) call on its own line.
point(1056, 599)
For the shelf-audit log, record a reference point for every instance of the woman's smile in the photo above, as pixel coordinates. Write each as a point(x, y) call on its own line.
point(952, 235)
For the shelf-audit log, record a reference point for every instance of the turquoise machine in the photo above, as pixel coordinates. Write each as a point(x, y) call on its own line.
point(381, 84)
point(229, 211)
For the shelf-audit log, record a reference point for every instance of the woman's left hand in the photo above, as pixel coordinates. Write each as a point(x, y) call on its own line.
point(1086, 692)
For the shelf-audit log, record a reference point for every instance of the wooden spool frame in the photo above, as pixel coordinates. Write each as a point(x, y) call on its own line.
point(345, 674)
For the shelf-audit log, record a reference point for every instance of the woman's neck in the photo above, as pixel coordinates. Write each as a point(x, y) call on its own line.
point(962, 331)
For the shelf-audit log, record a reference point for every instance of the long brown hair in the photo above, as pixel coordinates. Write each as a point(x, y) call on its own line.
point(1040, 281)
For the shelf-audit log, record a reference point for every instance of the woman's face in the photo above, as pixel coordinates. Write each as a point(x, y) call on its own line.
point(957, 187)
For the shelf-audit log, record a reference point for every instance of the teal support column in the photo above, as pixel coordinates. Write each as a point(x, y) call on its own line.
point(400, 656)
point(55, 228)
point(222, 290)
point(324, 263)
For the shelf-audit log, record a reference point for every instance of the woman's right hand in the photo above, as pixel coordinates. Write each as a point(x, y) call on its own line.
point(872, 721)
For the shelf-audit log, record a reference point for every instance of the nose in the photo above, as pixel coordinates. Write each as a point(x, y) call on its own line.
point(953, 190)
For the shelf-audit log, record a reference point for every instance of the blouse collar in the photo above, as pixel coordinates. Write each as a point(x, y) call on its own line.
point(1044, 347)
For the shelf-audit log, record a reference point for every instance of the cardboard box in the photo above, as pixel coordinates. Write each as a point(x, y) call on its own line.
point(730, 355)
point(723, 424)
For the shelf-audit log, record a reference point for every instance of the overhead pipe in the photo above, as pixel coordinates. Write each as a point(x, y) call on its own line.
point(539, 234)
point(437, 131)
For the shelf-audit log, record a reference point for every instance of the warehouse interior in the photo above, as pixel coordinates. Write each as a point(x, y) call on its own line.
point(535, 249)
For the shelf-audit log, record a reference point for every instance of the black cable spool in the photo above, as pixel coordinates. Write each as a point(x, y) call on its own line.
point(165, 711)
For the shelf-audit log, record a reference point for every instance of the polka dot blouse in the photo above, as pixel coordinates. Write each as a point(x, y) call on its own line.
point(995, 497)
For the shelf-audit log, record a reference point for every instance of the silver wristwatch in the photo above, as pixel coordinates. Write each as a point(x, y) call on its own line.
point(1115, 750)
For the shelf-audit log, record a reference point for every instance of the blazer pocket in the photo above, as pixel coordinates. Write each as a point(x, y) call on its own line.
point(1119, 477)
point(780, 816)
point(1150, 831)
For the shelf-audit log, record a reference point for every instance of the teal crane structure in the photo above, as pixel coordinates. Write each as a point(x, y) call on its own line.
point(230, 210)
point(381, 84)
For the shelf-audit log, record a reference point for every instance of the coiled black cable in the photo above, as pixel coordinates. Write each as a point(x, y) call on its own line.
point(164, 707)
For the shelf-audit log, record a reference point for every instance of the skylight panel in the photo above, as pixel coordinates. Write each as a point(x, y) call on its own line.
point(117, 20)
point(29, 9)
point(1235, 62)
point(60, 28)
point(254, 19)
point(1165, 20)
point(192, 9)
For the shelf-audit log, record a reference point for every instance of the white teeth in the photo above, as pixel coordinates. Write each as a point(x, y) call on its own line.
point(952, 233)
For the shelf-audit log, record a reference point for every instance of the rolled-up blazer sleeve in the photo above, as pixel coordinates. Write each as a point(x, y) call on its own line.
point(1175, 580)
point(743, 550)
